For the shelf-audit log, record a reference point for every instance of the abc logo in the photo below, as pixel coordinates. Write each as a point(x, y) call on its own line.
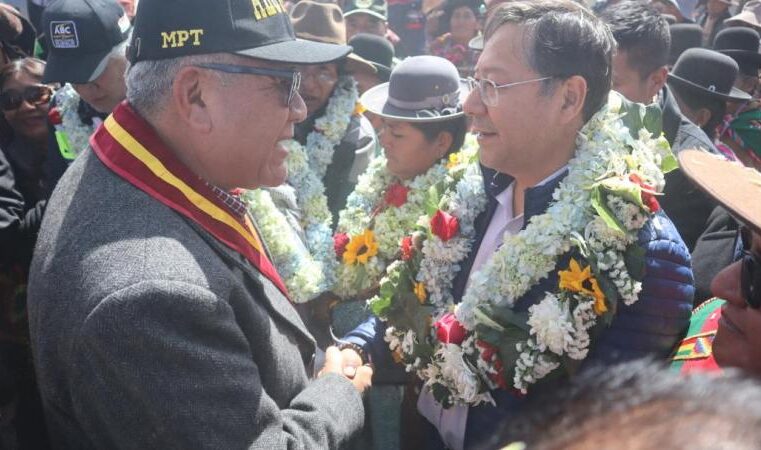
point(64, 34)
point(62, 29)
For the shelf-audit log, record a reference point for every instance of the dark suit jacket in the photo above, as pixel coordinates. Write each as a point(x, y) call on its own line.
point(715, 249)
point(685, 203)
point(149, 333)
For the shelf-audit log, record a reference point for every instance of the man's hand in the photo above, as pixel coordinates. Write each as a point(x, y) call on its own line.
point(347, 363)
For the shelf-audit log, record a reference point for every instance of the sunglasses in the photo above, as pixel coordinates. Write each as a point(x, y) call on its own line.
point(34, 95)
point(750, 274)
point(292, 77)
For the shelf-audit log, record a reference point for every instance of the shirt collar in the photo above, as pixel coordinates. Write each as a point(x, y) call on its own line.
point(506, 196)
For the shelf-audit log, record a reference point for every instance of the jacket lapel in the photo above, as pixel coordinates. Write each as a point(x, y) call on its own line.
point(278, 305)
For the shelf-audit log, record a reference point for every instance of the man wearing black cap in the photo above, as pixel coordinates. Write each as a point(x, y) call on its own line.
point(86, 40)
point(365, 16)
point(157, 318)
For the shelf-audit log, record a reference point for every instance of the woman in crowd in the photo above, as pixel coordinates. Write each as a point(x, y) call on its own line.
point(461, 19)
point(24, 104)
point(422, 138)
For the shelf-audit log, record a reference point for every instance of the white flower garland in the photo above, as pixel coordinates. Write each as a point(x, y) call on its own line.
point(76, 132)
point(389, 225)
point(605, 151)
point(307, 274)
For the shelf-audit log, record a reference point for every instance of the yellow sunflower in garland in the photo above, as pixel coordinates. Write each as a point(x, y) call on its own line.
point(361, 248)
point(581, 280)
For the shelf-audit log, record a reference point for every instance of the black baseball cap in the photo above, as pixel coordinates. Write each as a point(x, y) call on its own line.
point(375, 8)
point(80, 35)
point(255, 28)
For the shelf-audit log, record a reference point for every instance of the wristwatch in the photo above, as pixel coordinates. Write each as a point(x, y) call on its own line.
point(357, 348)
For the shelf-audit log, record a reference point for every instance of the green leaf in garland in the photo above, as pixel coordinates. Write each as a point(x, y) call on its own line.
point(611, 297)
point(601, 207)
point(379, 305)
point(634, 258)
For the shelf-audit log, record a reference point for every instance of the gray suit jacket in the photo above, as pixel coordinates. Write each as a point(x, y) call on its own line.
point(149, 333)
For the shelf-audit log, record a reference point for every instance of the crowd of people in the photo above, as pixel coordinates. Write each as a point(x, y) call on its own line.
point(380, 224)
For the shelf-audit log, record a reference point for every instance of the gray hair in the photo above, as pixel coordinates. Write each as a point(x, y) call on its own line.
point(149, 83)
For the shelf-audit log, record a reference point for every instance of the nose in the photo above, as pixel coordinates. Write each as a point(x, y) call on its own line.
point(297, 109)
point(726, 285)
point(473, 105)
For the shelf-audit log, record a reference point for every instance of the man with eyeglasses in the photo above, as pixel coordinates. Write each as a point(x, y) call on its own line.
point(326, 84)
point(724, 330)
point(157, 318)
point(544, 72)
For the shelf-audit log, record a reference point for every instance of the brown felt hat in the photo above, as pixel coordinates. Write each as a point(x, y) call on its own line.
point(736, 187)
point(324, 22)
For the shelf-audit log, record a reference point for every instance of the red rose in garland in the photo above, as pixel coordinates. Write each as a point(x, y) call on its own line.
point(54, 116)
point(396, 195)
point(340, 241)
point(490, 355)
point(648, 193)
point(408, 248)
point(444, 225)
point(449, 330)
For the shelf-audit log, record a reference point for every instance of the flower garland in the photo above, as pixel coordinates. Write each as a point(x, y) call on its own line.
point(430, 258)
point(307, 274)
point(71, 133)
point(378, 214)
point(596, 213)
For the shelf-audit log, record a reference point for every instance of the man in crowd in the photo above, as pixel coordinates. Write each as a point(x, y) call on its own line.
point(365, 16)
point(724, 330)
point(86, 40)
point(527, 135)
point(712, 19)
point(640, 70)
point(157, 319)
point(323, 83)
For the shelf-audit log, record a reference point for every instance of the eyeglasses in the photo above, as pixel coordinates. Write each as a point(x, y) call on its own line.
point(750, 273)
point(489, 90)
point(320, 74)
point(34, 95)
point(292, 75)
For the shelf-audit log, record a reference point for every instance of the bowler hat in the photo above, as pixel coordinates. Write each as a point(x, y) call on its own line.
point(707, 73)
point(375, 49)
point(421, 89)
point(324, 22)
point(255, 28)
point(736, 187)
point(683, 36)
point(741, 44)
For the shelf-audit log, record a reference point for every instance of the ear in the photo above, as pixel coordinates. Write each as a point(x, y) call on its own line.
point(702, 116)
point(574, 92)
point(443, 143)
point(190, 92)
point(657, 80)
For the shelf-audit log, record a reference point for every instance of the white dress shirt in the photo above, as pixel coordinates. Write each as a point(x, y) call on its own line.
point(451, 423)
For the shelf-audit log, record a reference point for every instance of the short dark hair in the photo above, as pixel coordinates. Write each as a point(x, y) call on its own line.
point(696, 101)
point(641, 404)
point(457, 127)
point(31, 66)
point(565, 39)
point(642, 32)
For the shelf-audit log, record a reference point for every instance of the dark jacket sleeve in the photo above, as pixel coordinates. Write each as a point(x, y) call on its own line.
point(165, 365)
point(715, 249)
point(11, 209)
point(656, 322)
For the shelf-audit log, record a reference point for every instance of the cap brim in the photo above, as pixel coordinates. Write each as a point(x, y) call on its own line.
point(369, 12)
point(298, 51)
point(734, 93)
point(735, 186)
point(375, 101)
point(62, 69)
point(357, 63)
point(477, 43)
